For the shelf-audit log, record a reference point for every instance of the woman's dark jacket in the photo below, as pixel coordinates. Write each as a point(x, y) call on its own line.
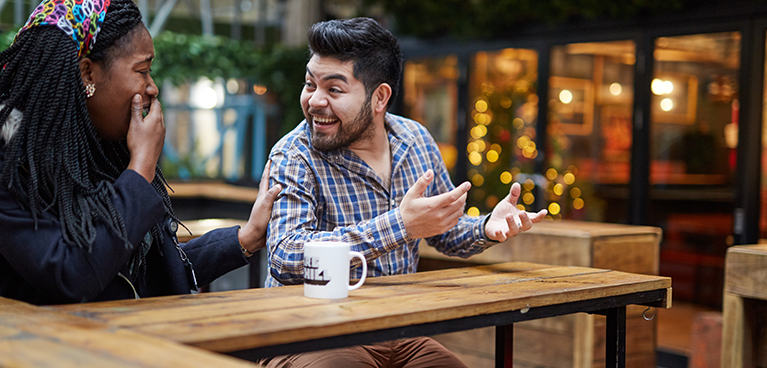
point(36, 265)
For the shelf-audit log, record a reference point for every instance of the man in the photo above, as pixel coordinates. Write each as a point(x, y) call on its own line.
point(354, 173)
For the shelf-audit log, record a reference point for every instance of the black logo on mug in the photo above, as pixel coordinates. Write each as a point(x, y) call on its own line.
point(312, 273)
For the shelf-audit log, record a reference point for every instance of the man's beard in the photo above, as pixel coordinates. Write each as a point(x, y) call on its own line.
point(358, 129)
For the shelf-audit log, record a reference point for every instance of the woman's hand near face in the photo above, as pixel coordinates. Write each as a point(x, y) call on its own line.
point(146, 136)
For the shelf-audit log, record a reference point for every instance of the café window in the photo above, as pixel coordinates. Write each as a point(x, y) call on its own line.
point(503, 111)
point(430, 96)
point(589, 132)
point(694, 131)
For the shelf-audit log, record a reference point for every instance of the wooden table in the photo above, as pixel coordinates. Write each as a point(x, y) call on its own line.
point(568, 341)
point(744, 329)
point(255, 323)
point(33, 336)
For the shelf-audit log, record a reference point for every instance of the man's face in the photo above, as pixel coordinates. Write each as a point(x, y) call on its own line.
point(335, 104)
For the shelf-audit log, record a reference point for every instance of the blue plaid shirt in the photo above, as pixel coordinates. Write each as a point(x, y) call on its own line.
point(336, 196)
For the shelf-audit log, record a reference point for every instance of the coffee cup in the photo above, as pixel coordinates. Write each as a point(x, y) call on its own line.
point(326, 269)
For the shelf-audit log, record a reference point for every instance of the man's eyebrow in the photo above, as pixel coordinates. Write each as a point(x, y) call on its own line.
point(336, 76)
point(330, 76)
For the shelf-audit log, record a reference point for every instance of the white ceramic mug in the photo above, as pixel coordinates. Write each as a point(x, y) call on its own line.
point(326, 269)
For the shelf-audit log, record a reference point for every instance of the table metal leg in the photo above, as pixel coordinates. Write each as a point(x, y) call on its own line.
point(504, 346)
point(615, 347)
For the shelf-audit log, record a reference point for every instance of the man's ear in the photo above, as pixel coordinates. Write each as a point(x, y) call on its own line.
point(87, 68)
point(381, 97)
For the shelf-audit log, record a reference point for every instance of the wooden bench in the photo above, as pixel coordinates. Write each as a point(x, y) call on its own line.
point(744, 330)
point(572, 340)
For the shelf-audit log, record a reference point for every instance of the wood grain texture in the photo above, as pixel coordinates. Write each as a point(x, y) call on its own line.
point(746, 271)
point(744, 325)
point(32, 336)
point(242, 319)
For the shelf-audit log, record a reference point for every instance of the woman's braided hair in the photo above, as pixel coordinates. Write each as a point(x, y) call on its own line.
point(55, 161)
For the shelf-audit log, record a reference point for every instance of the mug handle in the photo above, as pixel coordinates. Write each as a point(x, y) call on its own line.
point(364, 269)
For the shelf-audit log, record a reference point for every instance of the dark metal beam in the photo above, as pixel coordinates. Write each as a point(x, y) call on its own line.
point(639, 185)
point(748, 172)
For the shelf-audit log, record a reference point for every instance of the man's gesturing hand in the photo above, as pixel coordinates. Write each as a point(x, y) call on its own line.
point(430, 216)
point(503, 224)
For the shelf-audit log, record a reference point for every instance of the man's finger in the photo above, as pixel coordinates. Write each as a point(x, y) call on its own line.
point(524, 222)
point(538, 217)
point(458, 205)
point(514, 226)
point(514, 193)
point(446, 199)
point(421, 184)
point(518, 219)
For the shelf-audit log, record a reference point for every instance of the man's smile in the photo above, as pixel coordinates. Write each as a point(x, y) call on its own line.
point(322, 121)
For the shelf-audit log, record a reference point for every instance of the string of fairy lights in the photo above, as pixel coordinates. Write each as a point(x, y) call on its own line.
point(558, 188)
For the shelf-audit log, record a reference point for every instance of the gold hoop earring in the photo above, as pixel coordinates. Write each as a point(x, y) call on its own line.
point(90, 90)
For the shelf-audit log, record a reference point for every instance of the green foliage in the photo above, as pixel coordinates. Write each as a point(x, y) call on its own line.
point(184, 57)
point(6, 38)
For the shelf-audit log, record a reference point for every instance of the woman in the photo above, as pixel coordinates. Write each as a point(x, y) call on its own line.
point(84, 212)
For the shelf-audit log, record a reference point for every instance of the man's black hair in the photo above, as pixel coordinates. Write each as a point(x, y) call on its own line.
point(373, 49)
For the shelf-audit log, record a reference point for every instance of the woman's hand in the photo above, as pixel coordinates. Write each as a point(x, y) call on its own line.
point(253, 235)
point(146, 136)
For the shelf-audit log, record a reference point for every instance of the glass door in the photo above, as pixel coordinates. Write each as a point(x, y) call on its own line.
point(589, 131)
point(694, 137)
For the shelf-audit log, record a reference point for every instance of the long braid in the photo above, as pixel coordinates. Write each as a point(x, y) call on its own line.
point(55, 161)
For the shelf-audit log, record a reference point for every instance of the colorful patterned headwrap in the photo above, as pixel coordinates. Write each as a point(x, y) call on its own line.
point(80, 19)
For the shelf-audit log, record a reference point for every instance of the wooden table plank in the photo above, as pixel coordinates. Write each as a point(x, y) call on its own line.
point(37, 337)
point(184, 308)
point(188, 307)
point(291, 324)
point(746, 271)
point(744, 329)
point(235, 321)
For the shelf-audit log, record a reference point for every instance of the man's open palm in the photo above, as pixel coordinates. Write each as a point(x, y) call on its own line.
point(507, 220)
